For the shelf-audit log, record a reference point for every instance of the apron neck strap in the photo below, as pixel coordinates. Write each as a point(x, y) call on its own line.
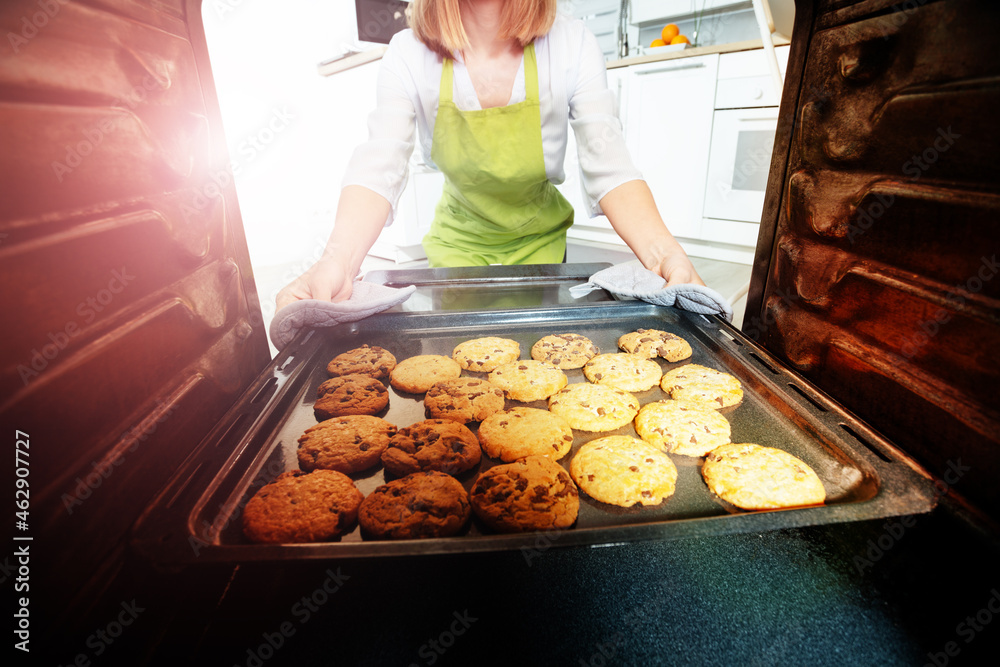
point(530, 76)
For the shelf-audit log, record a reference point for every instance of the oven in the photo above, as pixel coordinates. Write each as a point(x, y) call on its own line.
point(141, 404)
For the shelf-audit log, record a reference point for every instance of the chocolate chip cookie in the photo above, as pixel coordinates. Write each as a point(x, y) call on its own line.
point(465, 399)
point(630, 372)
point(420, 505)
point(374, 361)
point(565, 351)
point(350, 395)
point(433, 444)
point(533, 493)
point(622, 470)
point(682, 427)
point(652, 342)
point(348, 444)
point(519, 432)
point(594, 407)
point(485, 354)
point(418, 374)
point(754, 477)
point(529, 380)
point(302, 507)
point(692, 382)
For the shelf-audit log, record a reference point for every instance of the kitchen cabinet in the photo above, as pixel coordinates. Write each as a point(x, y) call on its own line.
point(657, 11)
point(669, 127)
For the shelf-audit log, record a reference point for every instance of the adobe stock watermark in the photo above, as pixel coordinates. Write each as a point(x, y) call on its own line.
point(914, 168)
point(102, 638)
point(967, 629)
point(102, 470)
point(302, 611)
point(375, 20)
point(253, 145)
point(543, 542)
point(890, 23)
point(931, 327)
point(88, 309)
point(433, 649)
point(94, 136)
point(894, 529)
point(33, 24)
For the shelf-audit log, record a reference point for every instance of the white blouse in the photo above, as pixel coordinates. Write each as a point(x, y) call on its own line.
point(573, 88)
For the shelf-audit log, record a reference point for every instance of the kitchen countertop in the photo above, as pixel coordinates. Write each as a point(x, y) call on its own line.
point(331, 67)
point(731, 47)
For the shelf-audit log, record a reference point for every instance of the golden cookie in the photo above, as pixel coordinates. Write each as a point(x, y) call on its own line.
point(630, 372)
point(652, 342)
point(622, 470)
point(753, 477)
point(534, 493)
point(465, 399)
point(692, 382)
point(566, 351)
point(528, 380)
point(485, 354)
point(418, 374)
point(594, 407)
point(682, 427)
point(520, 432)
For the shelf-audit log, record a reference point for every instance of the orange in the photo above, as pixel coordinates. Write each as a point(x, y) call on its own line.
point(669, 32)
point(657, 42)
point(680, 39)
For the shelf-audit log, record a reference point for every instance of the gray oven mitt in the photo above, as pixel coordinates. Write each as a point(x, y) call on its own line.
point(633, 280)
point(366, 299)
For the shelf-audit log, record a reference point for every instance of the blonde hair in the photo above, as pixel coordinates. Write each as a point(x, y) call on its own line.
point(438, 23)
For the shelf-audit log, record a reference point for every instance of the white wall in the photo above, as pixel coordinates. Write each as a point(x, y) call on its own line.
point(290, 131)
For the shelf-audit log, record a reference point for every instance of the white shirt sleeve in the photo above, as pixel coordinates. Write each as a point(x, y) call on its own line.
point(604, 160)
point(381, 163)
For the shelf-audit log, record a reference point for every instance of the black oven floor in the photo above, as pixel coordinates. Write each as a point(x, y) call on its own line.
point(903, 591)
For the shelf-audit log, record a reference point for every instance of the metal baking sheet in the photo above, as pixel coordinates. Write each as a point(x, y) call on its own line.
point(492, 287)
point(199, 516)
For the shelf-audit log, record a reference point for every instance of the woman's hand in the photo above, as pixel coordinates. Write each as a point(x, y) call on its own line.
point(677, 269)
point(326, 280)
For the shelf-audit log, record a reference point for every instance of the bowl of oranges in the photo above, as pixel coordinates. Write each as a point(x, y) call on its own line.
point(670, 39)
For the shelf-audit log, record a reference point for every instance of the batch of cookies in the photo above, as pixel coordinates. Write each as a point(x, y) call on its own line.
point(425, 462)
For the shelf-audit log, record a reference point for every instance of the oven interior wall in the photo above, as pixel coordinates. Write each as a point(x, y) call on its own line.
point(876, 268)
point(132, 320)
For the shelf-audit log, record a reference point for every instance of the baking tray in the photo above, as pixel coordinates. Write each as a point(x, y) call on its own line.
point(198, 516)
point(492, 287)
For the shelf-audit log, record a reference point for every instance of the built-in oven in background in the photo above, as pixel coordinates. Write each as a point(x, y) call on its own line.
point(743, 126)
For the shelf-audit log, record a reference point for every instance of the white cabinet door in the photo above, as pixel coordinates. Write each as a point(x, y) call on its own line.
point(668, 130)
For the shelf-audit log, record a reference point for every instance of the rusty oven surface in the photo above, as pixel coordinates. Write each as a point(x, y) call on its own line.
point(876, 274)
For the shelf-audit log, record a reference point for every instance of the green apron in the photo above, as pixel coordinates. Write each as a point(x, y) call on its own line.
point(498, 206)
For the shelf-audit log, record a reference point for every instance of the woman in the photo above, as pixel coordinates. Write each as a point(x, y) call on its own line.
point(493, 86)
